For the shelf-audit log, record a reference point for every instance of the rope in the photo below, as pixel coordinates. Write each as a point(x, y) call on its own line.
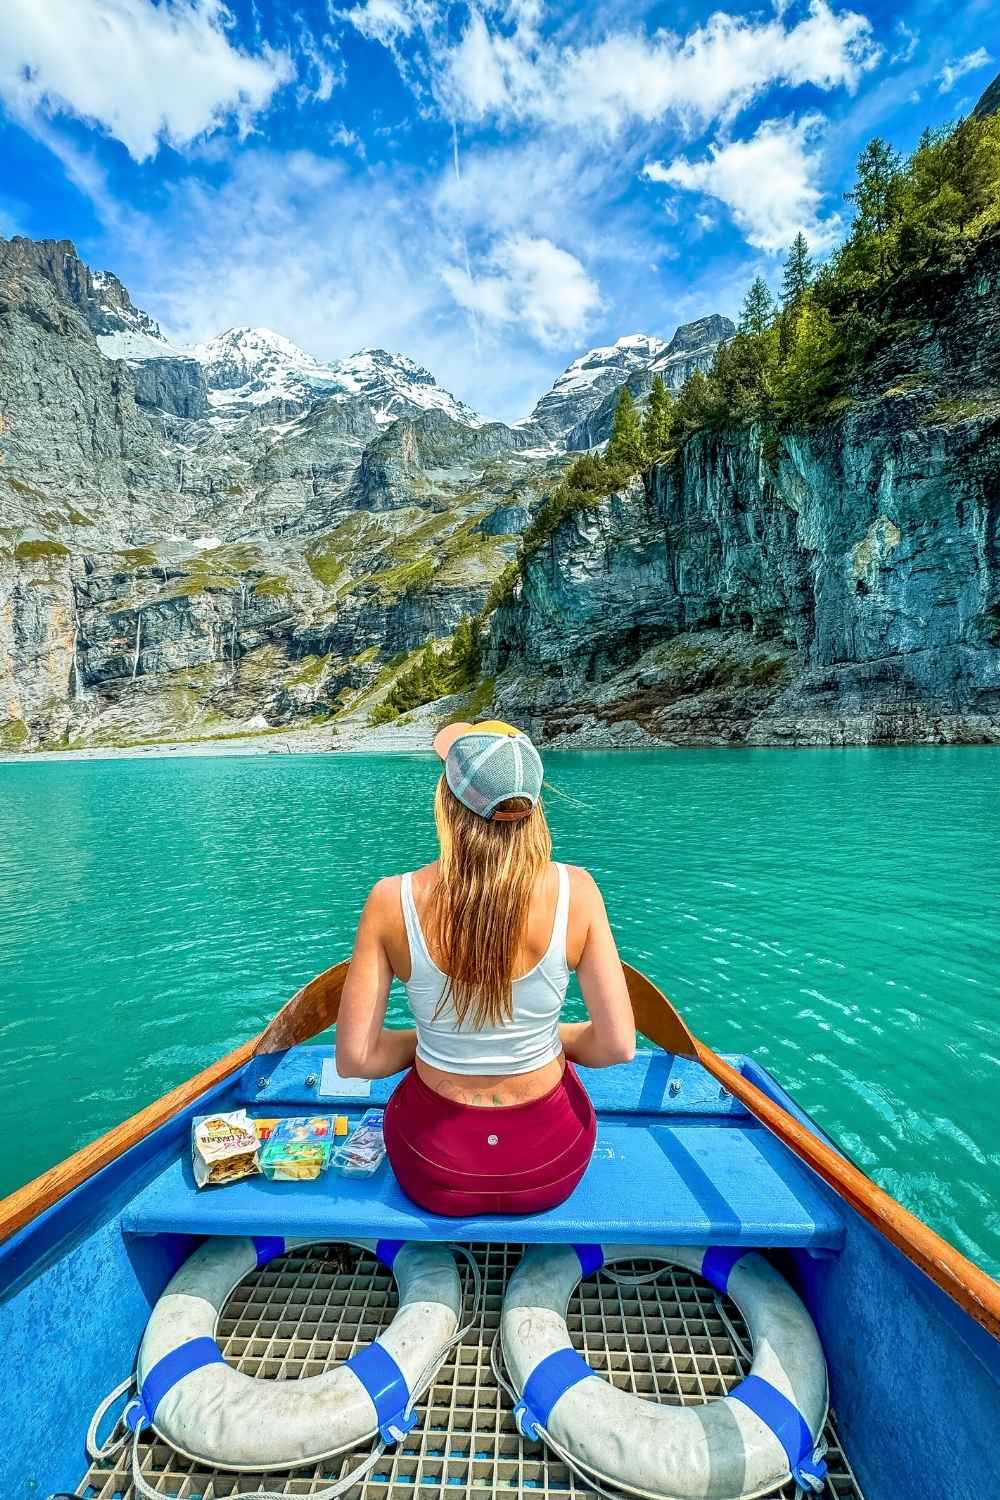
point(727, 1324)
point(578, 1469)
point(329, 1492)
point(639, 1278)
point(113, 1445)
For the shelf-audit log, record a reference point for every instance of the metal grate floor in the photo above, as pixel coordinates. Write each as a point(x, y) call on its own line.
point(314, 1308)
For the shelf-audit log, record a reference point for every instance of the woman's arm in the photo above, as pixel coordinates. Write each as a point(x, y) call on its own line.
point(609, 1036)
point(365, 1048)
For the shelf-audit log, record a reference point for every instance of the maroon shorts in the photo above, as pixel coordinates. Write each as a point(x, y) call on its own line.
point(464, 1159)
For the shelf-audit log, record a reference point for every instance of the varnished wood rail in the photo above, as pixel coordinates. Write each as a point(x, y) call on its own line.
point(311, 1009)
point(314, 1007)
point(974, 1291)
point(20, 1207)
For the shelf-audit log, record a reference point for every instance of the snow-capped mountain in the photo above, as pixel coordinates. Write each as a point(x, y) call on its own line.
point(592, 376)
point(394, 384)
point(248, 368)
point(692, 348)
point(124, 331)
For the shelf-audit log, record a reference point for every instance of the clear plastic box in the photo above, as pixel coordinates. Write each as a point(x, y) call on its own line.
point(362, 1153)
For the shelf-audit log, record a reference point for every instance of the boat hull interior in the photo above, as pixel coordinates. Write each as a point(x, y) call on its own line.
point(914, 1381)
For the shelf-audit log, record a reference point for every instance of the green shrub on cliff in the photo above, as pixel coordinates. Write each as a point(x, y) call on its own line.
point(585, 484)
point(434, 673)
point(39, 549)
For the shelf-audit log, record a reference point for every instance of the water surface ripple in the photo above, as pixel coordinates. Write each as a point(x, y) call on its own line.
point(834, 913)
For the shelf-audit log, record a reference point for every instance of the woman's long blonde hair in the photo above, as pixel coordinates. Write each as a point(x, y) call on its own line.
point(479, 909)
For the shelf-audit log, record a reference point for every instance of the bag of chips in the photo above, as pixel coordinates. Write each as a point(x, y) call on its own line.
point(224, 1148)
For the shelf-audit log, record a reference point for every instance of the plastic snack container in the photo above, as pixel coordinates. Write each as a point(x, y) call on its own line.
point(362, 1153)
point(298, 1148)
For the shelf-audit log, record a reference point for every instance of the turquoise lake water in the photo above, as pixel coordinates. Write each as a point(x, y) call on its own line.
point(833, 913)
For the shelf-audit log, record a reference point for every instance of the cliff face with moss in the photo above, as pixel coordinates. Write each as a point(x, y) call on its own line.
point(836, 584)
point(238, 537)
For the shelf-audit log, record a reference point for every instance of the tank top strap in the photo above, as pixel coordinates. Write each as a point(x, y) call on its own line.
point(560, 926)
point(419, 955)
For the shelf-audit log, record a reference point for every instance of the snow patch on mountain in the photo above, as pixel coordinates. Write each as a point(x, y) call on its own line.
point(246, 368)
point(610, 361)
point(135, 345)
point(587, 379)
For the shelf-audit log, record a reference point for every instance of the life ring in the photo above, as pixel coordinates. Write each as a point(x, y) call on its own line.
point(215, 1414)
point(767, 1430)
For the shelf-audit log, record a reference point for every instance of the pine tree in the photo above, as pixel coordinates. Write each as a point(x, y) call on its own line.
point(694, 403)
point(798, 271)
point(461, 662)
point(658, 425)
point(625, 443)
point(876, 197)
point(758, 308)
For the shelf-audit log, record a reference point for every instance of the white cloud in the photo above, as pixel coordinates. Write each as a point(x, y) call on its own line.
point(340, 135)
point(541, 184)
point(768, 183)
point(145, 73)
point(324, 63)
point(958, 67)
point(630, 76)
point(531, 282)
point(909, 41)
point(382, 21)
point(333, 257)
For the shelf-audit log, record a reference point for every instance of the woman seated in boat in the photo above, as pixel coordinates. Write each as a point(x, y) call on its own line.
point(492, 1116)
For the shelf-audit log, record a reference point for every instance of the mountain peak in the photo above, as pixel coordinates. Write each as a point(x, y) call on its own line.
point(246, 368)
point(586, 380)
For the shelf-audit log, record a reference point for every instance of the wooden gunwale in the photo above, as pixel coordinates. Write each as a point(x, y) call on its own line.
point(315, 1006)
point(975, 1292)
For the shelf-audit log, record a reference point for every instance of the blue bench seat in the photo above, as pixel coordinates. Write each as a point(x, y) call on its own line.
point(654, 1179)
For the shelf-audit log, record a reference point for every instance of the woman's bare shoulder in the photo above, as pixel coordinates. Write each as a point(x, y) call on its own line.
point(585, 893)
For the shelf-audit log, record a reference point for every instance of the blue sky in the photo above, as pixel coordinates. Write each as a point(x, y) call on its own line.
point(490, 189)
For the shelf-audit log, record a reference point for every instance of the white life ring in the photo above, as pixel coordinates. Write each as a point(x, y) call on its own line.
point(767, 1430)
point(215, 1414)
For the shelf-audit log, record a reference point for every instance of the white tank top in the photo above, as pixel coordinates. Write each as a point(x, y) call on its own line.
point(527, 1041)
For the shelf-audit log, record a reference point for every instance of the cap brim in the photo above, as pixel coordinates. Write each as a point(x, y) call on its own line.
point(446, 737)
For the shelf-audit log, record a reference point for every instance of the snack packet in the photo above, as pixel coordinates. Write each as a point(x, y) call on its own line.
point(223, 1148)
point(362, 1152)
point(298, 1149)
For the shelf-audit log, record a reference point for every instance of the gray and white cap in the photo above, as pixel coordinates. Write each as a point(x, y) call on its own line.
point(486, 764)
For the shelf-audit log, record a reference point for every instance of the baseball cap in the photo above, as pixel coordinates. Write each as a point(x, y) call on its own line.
point(485, 764)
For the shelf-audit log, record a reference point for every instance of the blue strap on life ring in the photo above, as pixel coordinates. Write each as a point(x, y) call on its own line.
point(788, 1425)
point(551, 1378)
point(166, 1373)
point(387, 1250)
point(386, 1385)
point(591, 1258)
point(267, 1247)
point(718, 1262)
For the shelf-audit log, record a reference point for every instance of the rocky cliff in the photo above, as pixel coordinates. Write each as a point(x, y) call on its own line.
point(840, 584)
point(237, 536)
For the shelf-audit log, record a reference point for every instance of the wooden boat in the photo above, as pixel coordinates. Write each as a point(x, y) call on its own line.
point(693, 1149)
